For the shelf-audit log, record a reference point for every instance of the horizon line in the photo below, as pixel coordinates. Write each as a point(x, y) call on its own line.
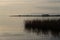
point(44, 15)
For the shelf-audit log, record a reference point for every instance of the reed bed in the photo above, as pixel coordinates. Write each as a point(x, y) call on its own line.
point(45, 25)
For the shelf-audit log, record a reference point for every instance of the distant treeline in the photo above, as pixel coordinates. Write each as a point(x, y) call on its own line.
point(43, 15)
point(45, 25)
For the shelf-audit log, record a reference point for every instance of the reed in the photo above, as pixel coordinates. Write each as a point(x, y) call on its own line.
point(45, 25)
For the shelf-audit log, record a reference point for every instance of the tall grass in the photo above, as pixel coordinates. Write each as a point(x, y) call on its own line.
point(45, 25)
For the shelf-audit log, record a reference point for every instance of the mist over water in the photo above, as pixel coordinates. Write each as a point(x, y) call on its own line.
point(12, 28)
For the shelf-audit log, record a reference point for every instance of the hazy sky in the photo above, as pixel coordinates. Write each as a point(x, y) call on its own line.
point(29, 6)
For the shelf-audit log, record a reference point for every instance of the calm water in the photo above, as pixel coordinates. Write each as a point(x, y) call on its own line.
point(12, 28)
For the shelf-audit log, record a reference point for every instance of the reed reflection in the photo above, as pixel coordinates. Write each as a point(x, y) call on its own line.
point(44, 26)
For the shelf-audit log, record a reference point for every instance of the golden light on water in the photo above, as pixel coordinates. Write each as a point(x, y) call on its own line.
point(10, 29)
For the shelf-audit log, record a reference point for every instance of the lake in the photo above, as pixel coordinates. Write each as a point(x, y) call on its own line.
point(12, 28)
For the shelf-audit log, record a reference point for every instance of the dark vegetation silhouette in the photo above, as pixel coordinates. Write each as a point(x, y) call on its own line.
point(38, 15)
point(44, 26)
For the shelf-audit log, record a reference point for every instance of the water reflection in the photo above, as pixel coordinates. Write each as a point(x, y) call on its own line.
point(45, 27)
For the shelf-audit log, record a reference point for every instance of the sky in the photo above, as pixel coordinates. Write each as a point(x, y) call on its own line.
point(8, 7)
point(12, 7)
